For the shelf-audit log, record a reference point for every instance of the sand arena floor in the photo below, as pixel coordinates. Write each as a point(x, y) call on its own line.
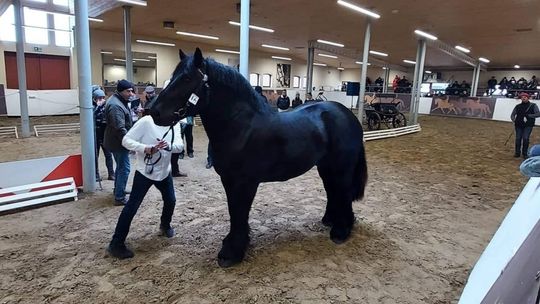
point(433, 201)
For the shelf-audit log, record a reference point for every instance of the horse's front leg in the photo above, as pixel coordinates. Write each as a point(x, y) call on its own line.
point(240, 195)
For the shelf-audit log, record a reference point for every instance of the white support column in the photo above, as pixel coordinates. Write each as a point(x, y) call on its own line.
point(82, 43)
point(21, 69)
point(477, 70)
point(127, 43)
point(413, 89)
point(418, 84)
point(386, 79)
point(244, 38)
point(363, 73)
point(473, 82)
point(309, 80)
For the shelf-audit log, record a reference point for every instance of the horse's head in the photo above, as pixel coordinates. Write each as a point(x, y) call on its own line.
point(181, 96)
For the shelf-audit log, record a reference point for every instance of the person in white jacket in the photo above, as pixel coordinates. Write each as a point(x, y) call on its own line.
point(153, 146)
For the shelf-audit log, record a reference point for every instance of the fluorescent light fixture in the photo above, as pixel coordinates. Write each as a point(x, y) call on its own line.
point(106, 52)
point(427, 72)
point(358, 9)
point(329, 56)
point(136, 2)
point(462, 49)
point(118, 59)
point(483, 59)
point(275, 47)
point(95, 19)
point(155, 42)
point(227, 51)
point(409, 61)
point(516, 66)
point(360, 62)
point(281, 58)
point(384, 68)
point(378, 53)
point(319, 64)
point(341, 69)
point(152, 57)
point(419, 32)
point(141, 59)
point(330, 43)
point(197, 35)
point(254, 27)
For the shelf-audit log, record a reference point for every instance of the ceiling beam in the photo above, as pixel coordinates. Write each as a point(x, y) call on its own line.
point(353, 54)
point(4, 6)
point(451, 51)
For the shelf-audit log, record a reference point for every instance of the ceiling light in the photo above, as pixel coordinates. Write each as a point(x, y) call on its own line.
point(462, 49)
point(227, 51)
point(319, 64)
point(155, 42)
point(427, 72)
point(341, 69)
point(281, 58)
point(136, 2)
point(152, 57)
point(483, 59)
point(330, 43)
point(384, 68)
point(141, 59)
point(358, 9)
point(95, 19)
point(118, 59)
point(329, 56)
point(254, 27)
point(197, 35)
point(106, 52)
point(409, 61)
point(275, 47)
point(516, 66)
point(378, 53)
point(419, 32)
point(360, 62)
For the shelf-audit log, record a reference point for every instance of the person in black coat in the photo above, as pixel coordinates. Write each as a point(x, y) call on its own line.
point(524, 116)
point(492, 82)
point(296, 101)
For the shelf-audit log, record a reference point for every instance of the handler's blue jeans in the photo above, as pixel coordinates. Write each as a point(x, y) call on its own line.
point(141, 185)
point(522, 140)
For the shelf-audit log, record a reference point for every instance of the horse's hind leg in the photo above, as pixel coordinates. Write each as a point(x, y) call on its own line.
point(339, 214)
point(240, 196)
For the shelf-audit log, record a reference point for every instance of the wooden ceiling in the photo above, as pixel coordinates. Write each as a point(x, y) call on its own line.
point(505, 31)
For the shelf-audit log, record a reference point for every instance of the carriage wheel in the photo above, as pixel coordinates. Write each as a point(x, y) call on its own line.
point(373, 122)
point(399, 120)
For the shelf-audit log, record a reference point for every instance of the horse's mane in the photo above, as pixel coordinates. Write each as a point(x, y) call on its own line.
point(223, 75)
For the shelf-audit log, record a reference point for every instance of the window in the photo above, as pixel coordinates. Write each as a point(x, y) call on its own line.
point(37, 32)
point(296, 82)
point(61, 2)
point(254, 79)
point(62, 23)
point(6, 24)
point(304, 82)
point(266, 80)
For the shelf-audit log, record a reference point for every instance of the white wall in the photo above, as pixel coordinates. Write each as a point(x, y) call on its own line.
point(116, 72)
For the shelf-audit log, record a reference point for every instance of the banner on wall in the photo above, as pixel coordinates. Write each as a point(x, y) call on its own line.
point(463, 106)
point(402, 101)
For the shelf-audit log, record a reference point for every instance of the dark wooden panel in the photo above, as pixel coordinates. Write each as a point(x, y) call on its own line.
point(33, 78)
point(54, 72)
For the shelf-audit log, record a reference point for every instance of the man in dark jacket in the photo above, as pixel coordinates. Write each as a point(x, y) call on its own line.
point(100, 123)
point(523, 116)
point(283, 101)
point(491, 85)
point(119, 122)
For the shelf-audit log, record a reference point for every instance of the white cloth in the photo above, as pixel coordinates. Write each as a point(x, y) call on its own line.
point(144, 134)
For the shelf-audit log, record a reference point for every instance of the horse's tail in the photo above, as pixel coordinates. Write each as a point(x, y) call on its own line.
point(360, 175)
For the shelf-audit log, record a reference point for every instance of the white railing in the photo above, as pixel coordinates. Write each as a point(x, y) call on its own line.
point(9, 131)
point(380, 134)
point(57, 128)
point(36, 194)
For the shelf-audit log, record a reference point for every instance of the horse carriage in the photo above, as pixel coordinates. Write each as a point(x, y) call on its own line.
point(386, 112)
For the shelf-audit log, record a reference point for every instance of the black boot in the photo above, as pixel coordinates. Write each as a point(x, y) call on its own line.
point(119, 251)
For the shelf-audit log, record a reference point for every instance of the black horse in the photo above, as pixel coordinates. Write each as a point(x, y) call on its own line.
point(252, 144)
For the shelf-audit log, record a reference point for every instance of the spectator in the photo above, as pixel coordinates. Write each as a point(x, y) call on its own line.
point(395, 83)
point(118, 116)
point(523, 116)
point(296, 101)
point(259, 90)
point(283, 101)
point(531, 166)
point(309, 97)
point(100, 123)
point(491, 85)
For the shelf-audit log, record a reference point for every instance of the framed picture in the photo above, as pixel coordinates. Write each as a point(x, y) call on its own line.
point(283, 75)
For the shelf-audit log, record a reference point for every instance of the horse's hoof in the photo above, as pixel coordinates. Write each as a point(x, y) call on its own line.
point(340, 236)
point(326, 222)
point(338, 241)
point(226, 263)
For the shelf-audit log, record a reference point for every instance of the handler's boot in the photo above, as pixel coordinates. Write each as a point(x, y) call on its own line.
point(120, 251)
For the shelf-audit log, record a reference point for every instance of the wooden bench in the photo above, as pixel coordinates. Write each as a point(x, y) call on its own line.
point(9, 131)
point(36, 194)
point(57, 128)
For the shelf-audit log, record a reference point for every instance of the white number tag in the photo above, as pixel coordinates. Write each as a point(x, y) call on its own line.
point(193, 98)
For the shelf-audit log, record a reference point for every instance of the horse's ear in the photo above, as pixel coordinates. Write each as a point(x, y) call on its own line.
point(198, 58)
point(181, 54)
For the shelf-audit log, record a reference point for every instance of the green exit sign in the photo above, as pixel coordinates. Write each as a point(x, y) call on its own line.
point(38, 49)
